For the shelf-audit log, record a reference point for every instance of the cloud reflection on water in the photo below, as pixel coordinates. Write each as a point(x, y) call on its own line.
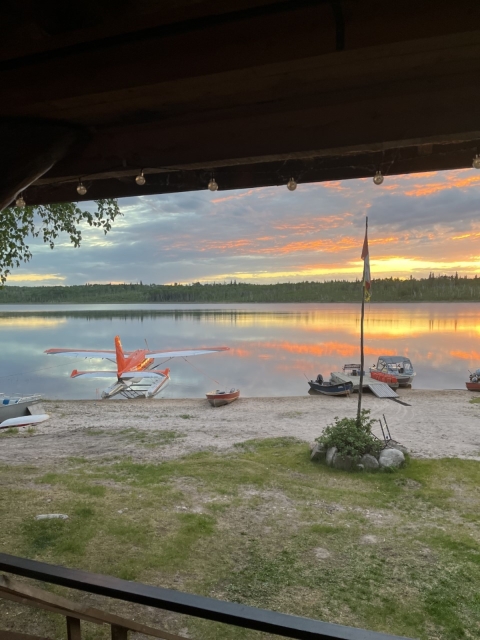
point(272, 346)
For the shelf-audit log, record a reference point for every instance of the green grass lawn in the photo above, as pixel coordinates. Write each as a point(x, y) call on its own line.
point(264, 526)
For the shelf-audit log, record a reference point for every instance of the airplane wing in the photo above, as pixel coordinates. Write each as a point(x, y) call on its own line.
point(93, 374)
point(185, 352)
point(81, 353)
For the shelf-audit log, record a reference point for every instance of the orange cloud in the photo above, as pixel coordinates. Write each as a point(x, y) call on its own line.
point(316, 224)
point(222, 245)
point(235, 196)
point(453, 182)
point(334, 185)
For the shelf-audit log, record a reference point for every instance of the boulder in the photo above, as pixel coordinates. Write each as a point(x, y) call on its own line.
point(393, 444)
point(369, 462)
point(319, 451)
point(343, 462)
point(391, 458)
point(330, 455)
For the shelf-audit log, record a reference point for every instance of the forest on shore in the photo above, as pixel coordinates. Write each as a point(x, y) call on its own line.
point(444, 288)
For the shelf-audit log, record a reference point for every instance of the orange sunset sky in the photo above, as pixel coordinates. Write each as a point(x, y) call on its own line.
point(417, 224)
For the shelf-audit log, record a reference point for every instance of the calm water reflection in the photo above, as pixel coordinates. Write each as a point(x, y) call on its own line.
point(272, 345)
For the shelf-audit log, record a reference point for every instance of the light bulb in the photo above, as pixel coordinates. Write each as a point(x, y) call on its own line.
point(291, 185)
point(140, 179)
point(378, 178)
point(212, 185)
point(81, 189)
point(476, 162)
point(20, 202)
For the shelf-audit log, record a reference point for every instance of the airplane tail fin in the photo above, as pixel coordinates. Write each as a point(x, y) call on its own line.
point(120, 356)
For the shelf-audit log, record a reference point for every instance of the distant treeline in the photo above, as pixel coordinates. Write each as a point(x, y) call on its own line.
point(431, 289)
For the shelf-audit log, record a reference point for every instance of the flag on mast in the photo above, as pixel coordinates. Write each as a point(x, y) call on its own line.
point(367, 284)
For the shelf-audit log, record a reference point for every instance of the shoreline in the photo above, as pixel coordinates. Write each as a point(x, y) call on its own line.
point(252, 302)
point(437, 424)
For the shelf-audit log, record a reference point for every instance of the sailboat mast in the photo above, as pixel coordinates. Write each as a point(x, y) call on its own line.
point(362, 357)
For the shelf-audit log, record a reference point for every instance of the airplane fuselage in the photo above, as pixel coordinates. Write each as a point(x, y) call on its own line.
point(135, 362)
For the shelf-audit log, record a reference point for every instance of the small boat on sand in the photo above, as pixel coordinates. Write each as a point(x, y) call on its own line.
point(19, 411)
point(474, 384)
point(219, 398)
point(330, 388)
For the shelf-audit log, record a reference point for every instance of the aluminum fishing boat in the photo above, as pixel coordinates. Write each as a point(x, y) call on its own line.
point(474, 384)
point(397, 366)
point(330, 388)
point(19, 411)
point(219, 398)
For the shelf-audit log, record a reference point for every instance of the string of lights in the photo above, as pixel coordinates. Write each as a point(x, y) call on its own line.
point(212, 184)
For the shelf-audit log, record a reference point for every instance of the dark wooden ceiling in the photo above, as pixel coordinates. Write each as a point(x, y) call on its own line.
point(251, 91)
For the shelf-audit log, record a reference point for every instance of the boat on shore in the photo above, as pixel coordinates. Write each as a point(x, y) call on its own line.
point(20, 411)
point(398, 367)
point(474, 383)
point(219, 398)
point(473, 386)
point(330, 388)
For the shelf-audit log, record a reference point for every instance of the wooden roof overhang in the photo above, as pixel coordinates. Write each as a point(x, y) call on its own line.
point(251, 91)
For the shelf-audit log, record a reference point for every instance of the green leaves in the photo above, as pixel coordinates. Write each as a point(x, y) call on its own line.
point(351, 438)
point(48, 222)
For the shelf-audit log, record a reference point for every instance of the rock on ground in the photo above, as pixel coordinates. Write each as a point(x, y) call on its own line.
point(369, 462)
point(330, 455)
point(393, 444)
point(342, 462)
point(319, 452)
point(392, 458)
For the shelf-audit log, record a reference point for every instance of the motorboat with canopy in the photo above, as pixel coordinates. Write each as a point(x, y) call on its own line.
point(398, 366)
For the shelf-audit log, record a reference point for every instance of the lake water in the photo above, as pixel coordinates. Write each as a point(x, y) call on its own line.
point(272, 346)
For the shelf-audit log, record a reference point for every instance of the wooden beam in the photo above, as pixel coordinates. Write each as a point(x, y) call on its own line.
point(38, 604)
point(277, 31)
point(45, 599)
point(403, 70)
point(14, 635)
point(119, 633)
point(359, 164)
point(29, 149)
point(307, 125)
point(73, 629)
point(284, 95)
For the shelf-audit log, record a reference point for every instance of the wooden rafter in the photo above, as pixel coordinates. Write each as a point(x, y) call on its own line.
point(254, 88)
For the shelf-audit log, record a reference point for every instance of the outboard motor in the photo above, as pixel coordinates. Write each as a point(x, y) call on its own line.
point(475, 376)
point(319, 379)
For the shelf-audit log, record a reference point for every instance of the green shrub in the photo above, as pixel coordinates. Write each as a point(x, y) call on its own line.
point(352, 438)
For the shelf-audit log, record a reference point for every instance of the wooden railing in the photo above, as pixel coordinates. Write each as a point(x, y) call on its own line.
point(177, 601)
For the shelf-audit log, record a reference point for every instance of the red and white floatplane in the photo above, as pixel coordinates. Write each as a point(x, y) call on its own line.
point(137, 374)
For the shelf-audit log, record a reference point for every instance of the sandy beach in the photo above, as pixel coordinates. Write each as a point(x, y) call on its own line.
point(436, 424)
